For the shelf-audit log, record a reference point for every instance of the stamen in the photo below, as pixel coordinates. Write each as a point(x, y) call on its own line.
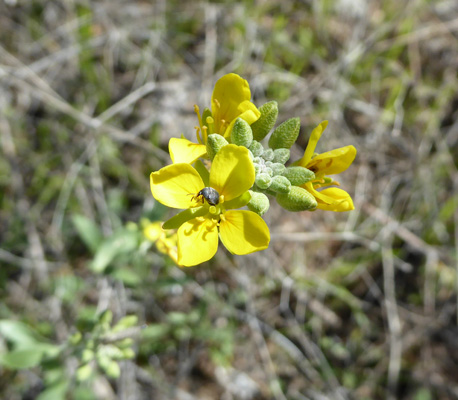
point(223, 127)
point(210, 123)
point(197, 111)
point(327, 181)
point(198, 134)
point(204, 134)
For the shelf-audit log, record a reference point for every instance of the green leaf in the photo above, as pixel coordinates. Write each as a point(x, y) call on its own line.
point(448, 208)
point(122, 242)
point(84, 372)
point(111, 351)
point(125, 322)
point(22, 359)
point(423, 394)
point(280, 184)
point(57, 391)
point(215, 143)
point(112, 370)
point(18, 333)
point(128, 354)
point(281, 155)
point(297, 199)
point(177, 318)
point(284, 136)
point(110, 367)
point(127, 276)
point(266, 121)
point(241, 134)
point(298, 175)
point(259, 203)
point(106, 317)
point(88, 231)
point(155, 332)
point(82, 392)
point(256, 148)
point(203, 172)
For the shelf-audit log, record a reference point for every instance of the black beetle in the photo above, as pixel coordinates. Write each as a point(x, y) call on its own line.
point(209, 194)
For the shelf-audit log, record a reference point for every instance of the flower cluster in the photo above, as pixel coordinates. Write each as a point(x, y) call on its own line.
point(229, 168)
point(166, 243)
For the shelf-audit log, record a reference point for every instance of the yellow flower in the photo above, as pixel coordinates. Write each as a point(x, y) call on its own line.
point(165, 243)
point(329, 163)
point(199, 225)
point(230, 100)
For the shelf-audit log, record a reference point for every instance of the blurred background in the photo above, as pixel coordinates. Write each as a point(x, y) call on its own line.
point(357, 305)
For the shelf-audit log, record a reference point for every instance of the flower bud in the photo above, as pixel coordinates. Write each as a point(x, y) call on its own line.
point(280, 184)
point(298, 199)
point(256, 148)
point(281, 155)
point(241, 134)
point(298, 175)
point(259, 203)
point(263, 180)
point(214, 143)
point(266, 121)
point(285, 134)
point(268, 155)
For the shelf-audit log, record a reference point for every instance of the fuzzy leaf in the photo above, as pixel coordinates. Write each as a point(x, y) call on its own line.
point(266, 121)
point(285, 134)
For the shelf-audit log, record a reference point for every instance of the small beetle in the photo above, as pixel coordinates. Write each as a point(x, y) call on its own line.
point(209, 194)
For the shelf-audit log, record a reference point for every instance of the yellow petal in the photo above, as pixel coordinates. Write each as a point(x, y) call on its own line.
point(173, 254)
point(232, 171)
point(333, 162)
point(177, 220)
point(342, 200)
point(331, 199)
point(248, 112)
point(313, 140)
point(197, 241)
point(231, 98)
point(185, 151)
point(168, 246)
point(175, 184)
point(153, 231)
point(243, 232)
